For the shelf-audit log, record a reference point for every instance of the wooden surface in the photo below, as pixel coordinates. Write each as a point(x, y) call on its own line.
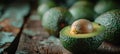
point(35, 40)
point(11, 22)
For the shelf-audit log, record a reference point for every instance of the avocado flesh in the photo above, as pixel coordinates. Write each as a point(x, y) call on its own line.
point(80, 43)
point(53, 19)
point(111, 20)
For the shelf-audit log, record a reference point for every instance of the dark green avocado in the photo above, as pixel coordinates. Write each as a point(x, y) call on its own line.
point(111, 20)
point(55, 19)
point(83, 9)
point(69, 3)
point(44, 1)
point(105, 5)
point(82, 43)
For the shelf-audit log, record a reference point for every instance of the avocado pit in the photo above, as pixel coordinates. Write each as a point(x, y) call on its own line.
point(81, 26)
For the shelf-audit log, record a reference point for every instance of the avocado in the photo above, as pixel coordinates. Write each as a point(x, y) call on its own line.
point(83, 9)
point(55, 19)
point(44, 1)
point(111, 20)
point(93, 1)
point(105, 5)
point(42, 8)
point(80, 43)
point(69, 3)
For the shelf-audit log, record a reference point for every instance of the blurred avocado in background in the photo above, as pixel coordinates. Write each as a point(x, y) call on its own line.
point(44, 1)
point(55, 19)
point(83, 9)
point(43, 7)
point(69, 3)
point(106, 5)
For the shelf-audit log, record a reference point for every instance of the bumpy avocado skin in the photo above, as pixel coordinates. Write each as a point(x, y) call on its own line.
point(76, 45)
point(54, 18)
point(81, 45)
point(106, 5)
point(83, 9)
point(111, 20)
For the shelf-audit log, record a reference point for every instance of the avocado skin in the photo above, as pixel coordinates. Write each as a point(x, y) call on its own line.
point(76, 45)
point(44, 1)
point(83, 9)
point(106, 5)
point(81, 45)
point(53, 18)
point(111, 20)
point(69, 3)
point(42, 8)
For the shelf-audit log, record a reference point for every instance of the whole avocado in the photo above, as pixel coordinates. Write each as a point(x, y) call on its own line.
point(105, 5)
point(83, 9)
point(55, 19)
point(111, 20)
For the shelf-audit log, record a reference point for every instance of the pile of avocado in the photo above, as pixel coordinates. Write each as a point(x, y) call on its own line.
point(82, 25)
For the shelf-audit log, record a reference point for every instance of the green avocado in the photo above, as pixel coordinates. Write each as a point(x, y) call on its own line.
point(42, 8)
point(83, 9)
point(82, 43)
point(105, 5)
point(111, 20)
point(55, 19)
point(44, 1)
point(69, 3)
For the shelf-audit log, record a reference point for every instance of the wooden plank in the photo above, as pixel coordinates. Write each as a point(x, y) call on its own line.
point(11, 22)
point(35, 40)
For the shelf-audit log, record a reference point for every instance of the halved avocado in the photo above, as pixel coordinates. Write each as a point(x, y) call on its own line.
point(82, 43)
